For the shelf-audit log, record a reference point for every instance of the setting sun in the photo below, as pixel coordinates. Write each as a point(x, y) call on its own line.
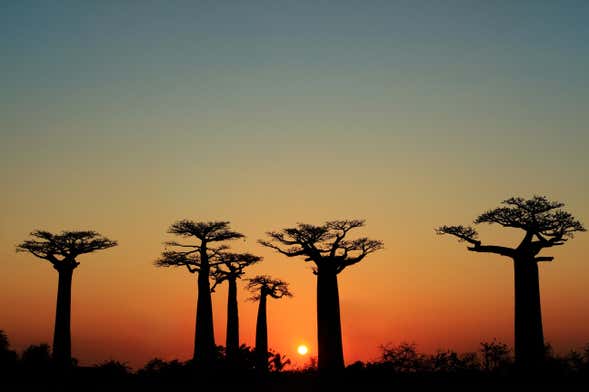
point(302, 349)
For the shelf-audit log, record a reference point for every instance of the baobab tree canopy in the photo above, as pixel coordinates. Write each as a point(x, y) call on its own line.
point(544, 222)
point(265, 285)
point(191, 255)
point(325, 245)
point(62, 249)
point(191, 259)
point(230, 265)
point(206, 231)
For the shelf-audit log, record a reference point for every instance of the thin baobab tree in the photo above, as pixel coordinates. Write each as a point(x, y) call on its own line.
point(327, 247)
point(544, 225)
point(229, 267)
point(62, 251)
point(262, 287)
point(199, 257)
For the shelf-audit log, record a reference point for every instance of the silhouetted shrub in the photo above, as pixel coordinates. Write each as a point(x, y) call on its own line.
point(4, 344)
point(399, 366)
point(159, 370)
point(8, 358)
point(450, 361)
point(403, 358)
point(495, 356)
point(113, 369)
point(277, 361)
point(575, 362)
point(245, 358)
point(36, 358)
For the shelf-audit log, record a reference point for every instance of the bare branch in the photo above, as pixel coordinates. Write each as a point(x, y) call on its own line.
point(470, 235)
point(464, 233)
point(179, 245)
point(290, 252)
point(341, 227)
point(178, 259)
point(500, 250)
point(231, 266)
point(363, 245)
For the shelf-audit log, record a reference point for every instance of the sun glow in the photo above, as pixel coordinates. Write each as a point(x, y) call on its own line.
point(302, 349)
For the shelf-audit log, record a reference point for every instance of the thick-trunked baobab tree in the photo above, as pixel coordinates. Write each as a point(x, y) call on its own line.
point(199, 258)
point(326, 246)
point(545, 225)
point(262, 287)
point(230, 267)
point(62, 251)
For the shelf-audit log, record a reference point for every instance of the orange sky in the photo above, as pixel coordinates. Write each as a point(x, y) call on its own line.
point(424, 289)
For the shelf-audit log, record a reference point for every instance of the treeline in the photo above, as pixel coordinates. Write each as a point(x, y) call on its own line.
point(400, 364)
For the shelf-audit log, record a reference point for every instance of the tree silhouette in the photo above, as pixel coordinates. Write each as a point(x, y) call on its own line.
point(36, 358)
point(545, 225)
point(278, 362)
point(230, 267)
point(62, 250)
point(328, 248)
point(403, 358)
point(199, 258)
point(8, 357)
point(495, 355)
point(4, 343)
point(263, 286)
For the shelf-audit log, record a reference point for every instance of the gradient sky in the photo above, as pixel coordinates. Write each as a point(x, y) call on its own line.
point(125, 116)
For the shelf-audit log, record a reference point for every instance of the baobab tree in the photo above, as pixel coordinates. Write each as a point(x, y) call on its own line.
point(327, 247)
point(230, 267)
point(62, 251)
point(263, 286)
point(199, 258)
point(544, 225)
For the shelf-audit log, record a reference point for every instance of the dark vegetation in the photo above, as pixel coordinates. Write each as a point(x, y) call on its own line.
point(399, 365)
point(205, 253)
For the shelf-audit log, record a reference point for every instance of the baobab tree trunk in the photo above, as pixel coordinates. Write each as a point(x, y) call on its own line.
point(62, 352)
point(329, 330)
point(262, 336)
point(232, 338)
point(204, 340)
point(529, 337)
